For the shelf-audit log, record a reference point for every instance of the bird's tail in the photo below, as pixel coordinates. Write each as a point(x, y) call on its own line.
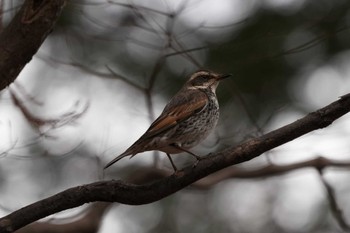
point(126, 153)
point(137, 147)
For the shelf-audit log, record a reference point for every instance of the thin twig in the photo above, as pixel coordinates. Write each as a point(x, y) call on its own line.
point(267, 171)
point(38, 122)
point(335, 208)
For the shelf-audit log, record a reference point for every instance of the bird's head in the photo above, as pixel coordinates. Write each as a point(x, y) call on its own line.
point(204, 79)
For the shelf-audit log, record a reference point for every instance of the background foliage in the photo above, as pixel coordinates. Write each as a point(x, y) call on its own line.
point(109, 67)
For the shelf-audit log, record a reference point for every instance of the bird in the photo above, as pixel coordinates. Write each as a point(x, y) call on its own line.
point(190, 115)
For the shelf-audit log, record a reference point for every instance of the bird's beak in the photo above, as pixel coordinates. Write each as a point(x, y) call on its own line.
point(224, 76)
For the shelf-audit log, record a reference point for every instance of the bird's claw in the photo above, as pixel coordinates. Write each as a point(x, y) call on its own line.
point(199, 158)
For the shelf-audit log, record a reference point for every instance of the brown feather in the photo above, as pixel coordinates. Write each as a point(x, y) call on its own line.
point(180, 107)
point(183, 105)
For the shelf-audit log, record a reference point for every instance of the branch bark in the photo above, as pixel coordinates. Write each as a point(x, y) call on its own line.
point(22, 38)
point(127, 193)
point(89, 223)
point(91, 220)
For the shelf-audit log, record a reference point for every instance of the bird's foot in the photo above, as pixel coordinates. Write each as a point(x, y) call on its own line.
point(198, 159)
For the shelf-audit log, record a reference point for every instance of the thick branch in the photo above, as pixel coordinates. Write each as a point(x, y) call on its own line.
point(89, 223)
point(21, 39)
point(91, 220)
point(122, 192)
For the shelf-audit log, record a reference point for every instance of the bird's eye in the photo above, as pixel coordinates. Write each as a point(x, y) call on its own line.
point(203, 78)
point(198, 81)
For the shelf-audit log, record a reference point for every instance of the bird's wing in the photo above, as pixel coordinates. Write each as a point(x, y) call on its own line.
point(181, 106)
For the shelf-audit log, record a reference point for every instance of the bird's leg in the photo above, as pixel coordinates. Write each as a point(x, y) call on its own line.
point(198, 158)
point(187, 151)
point(172, 162)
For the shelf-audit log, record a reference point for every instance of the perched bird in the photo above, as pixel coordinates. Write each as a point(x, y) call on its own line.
point(186, 120)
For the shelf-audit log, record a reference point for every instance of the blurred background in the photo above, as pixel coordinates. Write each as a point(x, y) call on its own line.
point(108, 69)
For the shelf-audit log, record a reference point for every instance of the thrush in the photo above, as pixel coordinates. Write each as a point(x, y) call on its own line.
point(186, 120)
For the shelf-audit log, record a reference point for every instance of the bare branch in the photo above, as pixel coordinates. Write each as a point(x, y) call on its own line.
point(137, 8)
point(318, 163)
point(89, 223)
point(39, 122)
point(110, 75)
point(336, 210)
point(127, 193)
point(20, 40)
point(91, 220)
point(125, 80)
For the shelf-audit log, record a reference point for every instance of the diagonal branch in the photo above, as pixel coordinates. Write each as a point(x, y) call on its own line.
point(335, 208)
point(20, 40)
point(89, 223)
point(91, 220)
point(127, 193)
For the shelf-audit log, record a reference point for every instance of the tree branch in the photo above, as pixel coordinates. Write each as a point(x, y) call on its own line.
point(89, 223)
point(127, 193)
point(92, 217)
point(270, 170)
point(335, 208)
point(21, 39)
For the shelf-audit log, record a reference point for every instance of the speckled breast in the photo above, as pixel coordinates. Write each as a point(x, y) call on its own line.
point(197, 127)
